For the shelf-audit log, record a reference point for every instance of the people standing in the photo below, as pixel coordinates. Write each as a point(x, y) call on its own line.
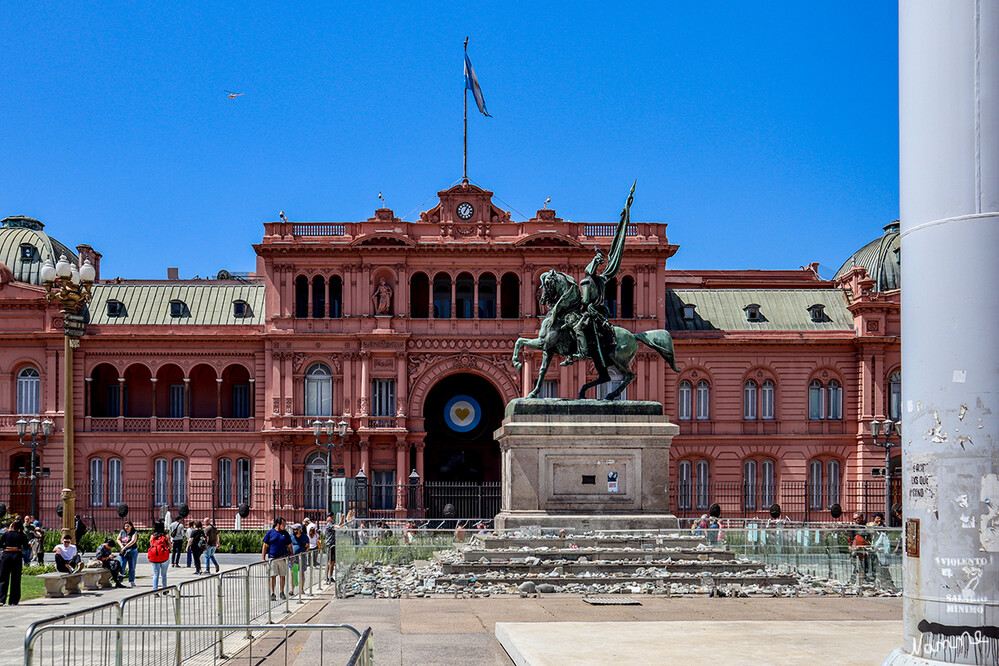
point(37, 543)
point(80, 528)
point(277, 544)
point(128, 546)
point(212, 535)
point(67, 556)
point(299, 547)
point(329, 542)
point(13, 542)
point(159, 555)
point(29, 533)
point(313, 533)
point(860, 543)
point(177, 540)
point(197, 543)
point(190, 530)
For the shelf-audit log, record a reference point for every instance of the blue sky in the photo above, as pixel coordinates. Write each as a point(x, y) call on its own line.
point(765, 134)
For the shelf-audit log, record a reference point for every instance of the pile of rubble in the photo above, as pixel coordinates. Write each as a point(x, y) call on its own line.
point(589, 565)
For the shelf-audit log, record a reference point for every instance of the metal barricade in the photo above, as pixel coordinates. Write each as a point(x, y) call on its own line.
point(48, 645)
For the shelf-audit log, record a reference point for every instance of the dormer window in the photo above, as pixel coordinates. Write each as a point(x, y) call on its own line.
point(688, 312)
point(241, 309)
point(27, 252)
point(753, 312)
point(179, 309)
point(116, 309)
point(818, 313)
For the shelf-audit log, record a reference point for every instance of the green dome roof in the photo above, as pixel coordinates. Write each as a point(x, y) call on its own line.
point(21, 236)
point(881, 259)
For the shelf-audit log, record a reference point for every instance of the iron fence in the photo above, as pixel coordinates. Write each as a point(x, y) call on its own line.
point(799, 501)
point(236, 604)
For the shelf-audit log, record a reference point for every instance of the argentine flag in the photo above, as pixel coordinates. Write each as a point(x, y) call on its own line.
point(472, 83)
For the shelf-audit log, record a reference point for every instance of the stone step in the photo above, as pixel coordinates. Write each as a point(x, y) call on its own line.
point(490, 542)
point(475, 554)
point(522, 568)
point(770, 579)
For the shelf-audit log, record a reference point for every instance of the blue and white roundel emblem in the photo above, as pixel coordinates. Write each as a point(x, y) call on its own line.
point(462, 413)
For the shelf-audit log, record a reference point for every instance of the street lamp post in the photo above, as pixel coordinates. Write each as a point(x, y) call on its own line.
point(886, 427)
point(32, 426)
point(329, 427)
point(71, 287)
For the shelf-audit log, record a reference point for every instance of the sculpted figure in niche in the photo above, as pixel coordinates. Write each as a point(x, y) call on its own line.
point(382, 298)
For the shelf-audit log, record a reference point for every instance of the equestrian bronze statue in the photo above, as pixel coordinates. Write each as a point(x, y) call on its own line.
point(577, 327)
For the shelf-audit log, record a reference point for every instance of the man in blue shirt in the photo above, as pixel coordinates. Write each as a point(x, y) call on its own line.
point(277, 544)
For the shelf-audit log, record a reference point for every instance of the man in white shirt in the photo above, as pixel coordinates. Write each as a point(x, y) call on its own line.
point(67, 558)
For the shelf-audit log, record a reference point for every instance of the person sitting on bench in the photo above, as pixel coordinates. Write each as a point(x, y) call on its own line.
point(67, 558)
point(106, 556)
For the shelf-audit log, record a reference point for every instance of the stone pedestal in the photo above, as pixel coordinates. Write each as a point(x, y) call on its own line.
point(585, 465)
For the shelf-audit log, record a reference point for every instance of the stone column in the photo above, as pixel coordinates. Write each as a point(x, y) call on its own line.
point(475, 298)
point(949, 194)
point(365, 381)
point(87, 392)
point(153, 381)
point(218, 396)
point(121, 397)
point(187, 397)
point(420, 446)
point(401, 386)
point(365, 446)
point(401, 474)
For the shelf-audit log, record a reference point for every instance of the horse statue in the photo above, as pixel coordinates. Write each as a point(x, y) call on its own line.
point(556, 337)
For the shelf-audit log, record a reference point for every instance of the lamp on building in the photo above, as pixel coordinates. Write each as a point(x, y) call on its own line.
point(71, 287)
point(32, 427)
point(886, 428)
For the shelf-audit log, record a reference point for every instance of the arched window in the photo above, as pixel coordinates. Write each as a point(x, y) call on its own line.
point(767, 396)
point(895, 396)
point(464, 295)
point(767, 483)
point(442, 296)
point(315, 480)
point(115, 481)
point(179, 485)
point(96, 482)
point(301, 297)
point(610, 297)
point(419, 296)
point(703, 400)
point(616, 379)
point(835, 393)
point(683, 401)
point(510, 296)
point(160, 482)
point(225, 482)
point(318, 297)
point(816, 402)
point(627, 297)
point(815, 484)
point(701, 489)
point(749, 400)
point(318, 390)
point(749, 488)
point(336, 297)
point(487, 296)
point(29, 384)
point(684, 486)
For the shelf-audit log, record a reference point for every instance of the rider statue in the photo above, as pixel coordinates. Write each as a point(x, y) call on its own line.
point(592, 314)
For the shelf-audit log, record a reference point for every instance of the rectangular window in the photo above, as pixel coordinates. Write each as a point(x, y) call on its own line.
point(749, 401)
point(816, 395)
point(383, 489)
point(241, 401)
point(28, 392)
point(243, 481)
point(549, 388)
point(815, 484)
point(832, 479)
point(835, 392)
point(767, 409)
point(767, 487)
point(683, 401)
point(225, 482)
point(383, 397)
point(684, 487)
point(96, 482)
point(703, 396)
point(179, 481)
point(749, 484)
point(176, 401)
point(701, 490)
point(115, 482)
point(160, 486)
point(111, 406)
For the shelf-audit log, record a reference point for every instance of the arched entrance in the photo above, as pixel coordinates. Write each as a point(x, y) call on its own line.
point(460, 414)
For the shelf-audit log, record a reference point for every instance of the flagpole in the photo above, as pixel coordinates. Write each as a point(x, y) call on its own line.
point(464, 166)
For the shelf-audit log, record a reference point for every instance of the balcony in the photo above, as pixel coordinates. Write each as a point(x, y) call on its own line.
point(375, 423)
point(153, 424)
point(8, 421)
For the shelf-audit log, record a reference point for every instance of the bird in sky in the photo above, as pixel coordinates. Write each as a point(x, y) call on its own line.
point(233, 95)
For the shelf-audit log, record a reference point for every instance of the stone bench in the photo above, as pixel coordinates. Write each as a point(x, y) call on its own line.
point(94, 579)
point(54, 583)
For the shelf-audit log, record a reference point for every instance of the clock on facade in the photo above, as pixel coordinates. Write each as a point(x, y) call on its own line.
point(465, 210)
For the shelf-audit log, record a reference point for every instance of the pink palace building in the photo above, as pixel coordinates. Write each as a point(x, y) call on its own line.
point(203, 392)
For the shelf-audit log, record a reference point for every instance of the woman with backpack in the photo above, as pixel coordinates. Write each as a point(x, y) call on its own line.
point(159, 554)
point(196, 544)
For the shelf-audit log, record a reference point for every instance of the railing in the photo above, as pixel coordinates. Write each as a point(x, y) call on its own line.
point(319, 228)
point(798, 500)
point(227, 608)
point(150, 424)
point(602, 229)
